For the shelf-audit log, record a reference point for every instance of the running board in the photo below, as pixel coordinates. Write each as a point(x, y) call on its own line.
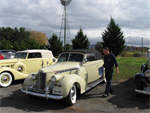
point(142, 92)
point(94, 84)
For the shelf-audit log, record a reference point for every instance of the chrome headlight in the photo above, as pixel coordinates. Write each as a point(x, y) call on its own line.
point(33, 76)
point(147, 73)
point(20, 68)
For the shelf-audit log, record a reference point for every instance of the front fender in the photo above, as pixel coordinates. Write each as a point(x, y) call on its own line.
point(20, 64)
point(70, 80)
point(139, 75)
point(16, 74)
point(140, 78)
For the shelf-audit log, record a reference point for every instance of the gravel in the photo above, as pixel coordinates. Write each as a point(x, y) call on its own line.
point(123, 100)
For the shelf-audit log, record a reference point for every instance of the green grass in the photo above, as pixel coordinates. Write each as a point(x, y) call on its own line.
point(128, 67)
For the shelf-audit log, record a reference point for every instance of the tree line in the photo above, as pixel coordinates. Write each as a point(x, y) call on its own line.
point(22, 39)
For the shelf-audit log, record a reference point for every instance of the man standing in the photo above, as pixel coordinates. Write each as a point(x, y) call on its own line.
point(109, 62)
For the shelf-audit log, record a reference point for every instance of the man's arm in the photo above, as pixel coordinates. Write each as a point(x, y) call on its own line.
point(116, 64)
point(117, 70)
point(115, 61)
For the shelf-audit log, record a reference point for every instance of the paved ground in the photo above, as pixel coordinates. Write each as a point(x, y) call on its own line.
point(123, 100)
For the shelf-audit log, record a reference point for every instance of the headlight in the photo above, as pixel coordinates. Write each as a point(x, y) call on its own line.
point(53, 79)
point(33, 77)
point(147, 73)
point(20, 69)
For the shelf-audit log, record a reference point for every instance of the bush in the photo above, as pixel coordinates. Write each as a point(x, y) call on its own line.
point(131, 54)
point(137, 55)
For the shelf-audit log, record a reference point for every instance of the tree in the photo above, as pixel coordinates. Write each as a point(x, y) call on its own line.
point(113, 38)
point(99, 46)
point(55, 45)
point(39, 36)
point(81, 41)
point(68, 47)
point(17, 39)
point(5, 44)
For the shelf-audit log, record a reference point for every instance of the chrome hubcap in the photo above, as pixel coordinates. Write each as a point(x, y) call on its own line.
point(5, 79)
point(73, 94)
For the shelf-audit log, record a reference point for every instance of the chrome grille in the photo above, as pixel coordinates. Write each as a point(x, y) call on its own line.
point(41, 81)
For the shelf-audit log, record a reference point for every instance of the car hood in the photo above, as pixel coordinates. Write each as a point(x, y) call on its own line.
point(8, 62)
point(61, 67)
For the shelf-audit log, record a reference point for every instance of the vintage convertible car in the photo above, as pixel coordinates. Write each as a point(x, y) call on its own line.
point(24, 63)
point(74, 73)
point(142, 79)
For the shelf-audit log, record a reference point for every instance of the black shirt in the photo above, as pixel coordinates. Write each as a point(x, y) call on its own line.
point(110, 61)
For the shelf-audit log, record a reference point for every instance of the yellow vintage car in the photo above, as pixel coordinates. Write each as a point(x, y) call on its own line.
point(74, 73)
point(24, 63)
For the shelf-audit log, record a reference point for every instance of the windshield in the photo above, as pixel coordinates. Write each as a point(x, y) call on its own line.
point(21, 55)
point(72, 57)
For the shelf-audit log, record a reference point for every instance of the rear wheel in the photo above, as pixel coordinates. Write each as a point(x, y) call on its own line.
point(72, 97)
point(5, 79)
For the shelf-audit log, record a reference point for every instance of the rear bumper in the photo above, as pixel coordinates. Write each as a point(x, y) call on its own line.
point(55, 97)
point(142, 91)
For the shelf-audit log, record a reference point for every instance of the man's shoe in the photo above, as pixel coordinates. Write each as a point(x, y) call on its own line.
point(105, 95)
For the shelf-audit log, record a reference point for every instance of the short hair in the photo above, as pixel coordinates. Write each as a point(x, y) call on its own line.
point(106, 48)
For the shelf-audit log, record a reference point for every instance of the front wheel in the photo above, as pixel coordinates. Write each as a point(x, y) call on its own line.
point(72, 97)
point(5, 79)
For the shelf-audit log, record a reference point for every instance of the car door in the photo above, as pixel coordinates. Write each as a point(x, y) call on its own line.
point(92, 67)
point(34, 62)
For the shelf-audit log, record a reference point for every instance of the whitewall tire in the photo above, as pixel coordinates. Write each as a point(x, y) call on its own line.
point(5, 79)
point(72, 97)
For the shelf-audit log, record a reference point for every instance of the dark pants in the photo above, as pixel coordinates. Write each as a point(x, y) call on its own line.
point(108, 75)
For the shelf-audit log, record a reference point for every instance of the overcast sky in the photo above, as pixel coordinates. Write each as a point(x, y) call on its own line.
point(133, 16)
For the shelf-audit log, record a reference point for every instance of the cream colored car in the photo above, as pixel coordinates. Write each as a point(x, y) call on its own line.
point(74, 73)
point(24, 63)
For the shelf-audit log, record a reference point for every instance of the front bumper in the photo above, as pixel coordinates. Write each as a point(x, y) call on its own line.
point(142, 91)
point(55, 97)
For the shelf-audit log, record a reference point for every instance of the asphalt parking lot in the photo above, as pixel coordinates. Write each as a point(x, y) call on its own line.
point(123, 100)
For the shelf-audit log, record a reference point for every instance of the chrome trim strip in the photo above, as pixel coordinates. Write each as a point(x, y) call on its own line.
point(142, 92)
point(66, 70)
point(94, 84)
point(42, 95)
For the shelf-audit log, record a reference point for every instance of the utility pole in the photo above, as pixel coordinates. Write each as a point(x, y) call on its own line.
point(142, 46)
point(65, 27)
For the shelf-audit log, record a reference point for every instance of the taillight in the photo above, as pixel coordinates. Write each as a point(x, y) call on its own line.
point(1, 57)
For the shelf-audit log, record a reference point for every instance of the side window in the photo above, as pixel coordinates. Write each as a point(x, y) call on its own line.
point(63, 57)
point(91, 58)
point(34, 55)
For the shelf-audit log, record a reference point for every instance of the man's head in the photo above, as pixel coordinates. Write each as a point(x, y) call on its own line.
point(106, 50)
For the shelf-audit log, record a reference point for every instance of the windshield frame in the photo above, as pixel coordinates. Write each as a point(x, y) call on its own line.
point(68, 56)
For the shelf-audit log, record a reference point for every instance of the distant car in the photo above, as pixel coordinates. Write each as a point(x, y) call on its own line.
point(142, 79)
point(7, 54)
point(74, 73)
point(1, 57)
point(24, 63)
